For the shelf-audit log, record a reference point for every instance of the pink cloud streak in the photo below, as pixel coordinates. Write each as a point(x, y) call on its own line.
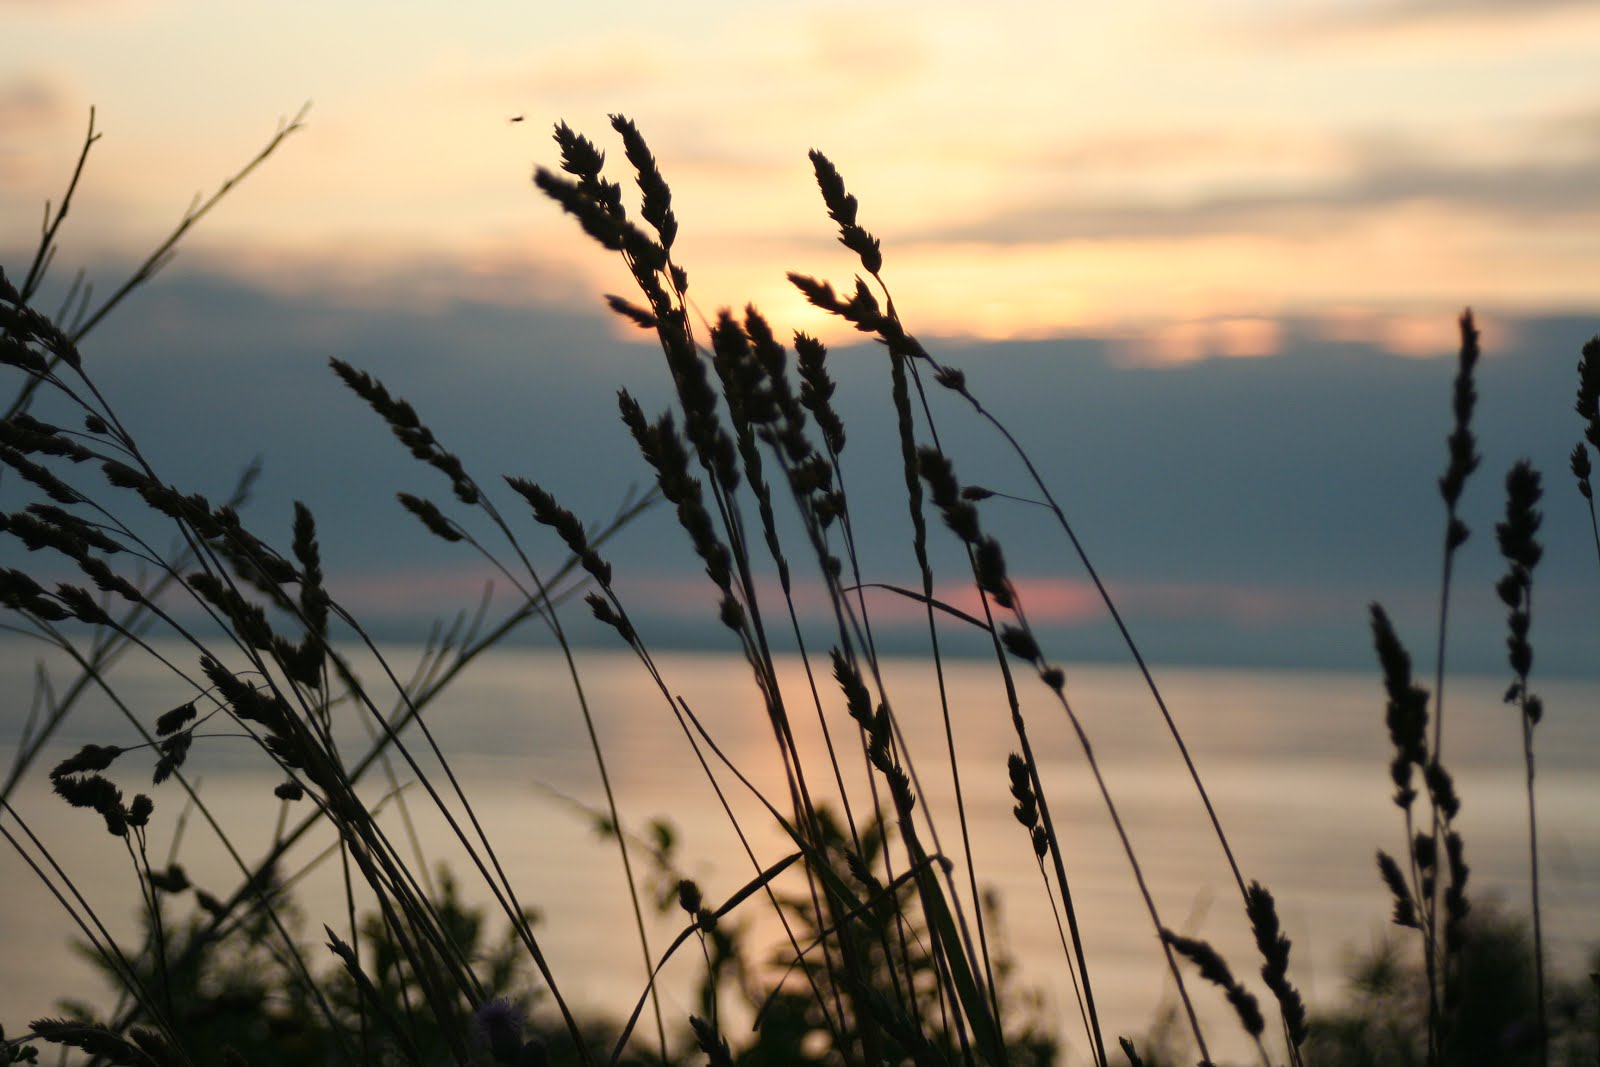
point(1047, 600)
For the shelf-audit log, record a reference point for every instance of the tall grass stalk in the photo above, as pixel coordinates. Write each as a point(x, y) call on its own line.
point(1588, 408)
point(1522, 551)
point(1420, 894)
point(1463, 461)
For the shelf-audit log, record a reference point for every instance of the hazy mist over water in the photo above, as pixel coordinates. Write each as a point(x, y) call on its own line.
point(1297, 763)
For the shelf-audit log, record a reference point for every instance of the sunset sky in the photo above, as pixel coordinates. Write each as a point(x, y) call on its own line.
point(1193, 169)
point(1156, 181)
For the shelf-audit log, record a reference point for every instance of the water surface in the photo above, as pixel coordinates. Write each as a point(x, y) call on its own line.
point(1296, 762)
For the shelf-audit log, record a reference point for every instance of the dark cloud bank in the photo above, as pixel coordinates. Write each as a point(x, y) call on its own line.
point(1249, 510)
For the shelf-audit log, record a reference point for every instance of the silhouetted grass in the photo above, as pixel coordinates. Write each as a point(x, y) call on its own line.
point(879, 897)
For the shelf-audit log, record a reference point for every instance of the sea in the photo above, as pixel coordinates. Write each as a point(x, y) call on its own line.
point(1296, 763)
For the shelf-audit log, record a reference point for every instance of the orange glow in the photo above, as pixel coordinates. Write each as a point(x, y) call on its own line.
point(1234, 169)
point(1415, 334)
point(1185, 342)
point(1048, 601)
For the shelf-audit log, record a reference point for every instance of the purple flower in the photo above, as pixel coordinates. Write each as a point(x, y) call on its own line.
point(500, 1025)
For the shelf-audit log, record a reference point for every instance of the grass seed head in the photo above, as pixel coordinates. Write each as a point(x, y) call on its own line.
point(1589, 390)
point(1405, 912)
point(88, 758)
point(1463, 446)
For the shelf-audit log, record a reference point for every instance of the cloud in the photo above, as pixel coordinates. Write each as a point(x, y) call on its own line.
point(619, 66)
point(1408, 14)
point(400, 591)
point(1245, 604)
point(58, 6)
point(741, 79)
point(1049, 600)
point(31, 106)
point(1186, 341)
point(1159, 148)
point(877, 52)
point(30, 101)
point(1425, 24)
point(1435, 8)
point(1227, 502)
point(1543, 191)
point(509, 272)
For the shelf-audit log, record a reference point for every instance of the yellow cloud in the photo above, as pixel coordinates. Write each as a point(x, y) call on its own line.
point(1429, 27)
point(1031, 173)
point(1185, 342)
point(30, 100)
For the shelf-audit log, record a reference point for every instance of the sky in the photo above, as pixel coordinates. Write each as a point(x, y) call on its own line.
point(1207, 259)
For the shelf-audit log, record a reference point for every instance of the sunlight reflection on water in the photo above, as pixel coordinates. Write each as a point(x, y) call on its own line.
point(1296, 763)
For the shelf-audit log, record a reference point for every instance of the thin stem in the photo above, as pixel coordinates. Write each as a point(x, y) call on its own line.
point(1533, 875)
point(1594, 526)
point(164, 252)
point(47, 237)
